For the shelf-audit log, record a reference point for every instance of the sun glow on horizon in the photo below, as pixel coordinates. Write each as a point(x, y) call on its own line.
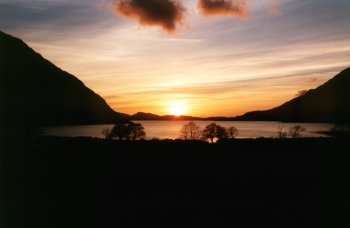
point(177, 108)
point(209, 68)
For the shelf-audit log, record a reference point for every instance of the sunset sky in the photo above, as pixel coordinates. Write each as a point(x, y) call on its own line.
point(199, 57)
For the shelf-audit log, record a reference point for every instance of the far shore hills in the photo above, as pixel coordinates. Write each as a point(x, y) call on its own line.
point(151, 116)
point(33, 90)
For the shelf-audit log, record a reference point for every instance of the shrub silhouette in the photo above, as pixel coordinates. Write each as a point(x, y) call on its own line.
point(191, 131)
point(296, 131)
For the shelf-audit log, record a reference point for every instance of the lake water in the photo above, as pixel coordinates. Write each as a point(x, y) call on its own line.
point(171, 129)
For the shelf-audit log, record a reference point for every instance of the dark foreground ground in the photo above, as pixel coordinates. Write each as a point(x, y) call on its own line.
point(79, 182)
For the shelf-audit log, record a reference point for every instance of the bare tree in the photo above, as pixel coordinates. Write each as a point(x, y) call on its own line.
point(296, 131)
point(232, 132)
point(281, 133)
point(191, 131)
point(107, 133)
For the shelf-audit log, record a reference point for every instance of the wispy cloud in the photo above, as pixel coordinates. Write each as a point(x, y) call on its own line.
point(52, 16)
point(168, 14)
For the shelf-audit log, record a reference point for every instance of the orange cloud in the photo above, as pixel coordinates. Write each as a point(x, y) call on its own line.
point(236, 8)
point(168, 14)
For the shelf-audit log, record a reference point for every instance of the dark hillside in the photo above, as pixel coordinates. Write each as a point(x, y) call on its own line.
point(329, 102)
point(35, 91)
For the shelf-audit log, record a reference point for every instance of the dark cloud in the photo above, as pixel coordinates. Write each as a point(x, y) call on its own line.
point(236, 8)
point(301, 92)
point(168, 14)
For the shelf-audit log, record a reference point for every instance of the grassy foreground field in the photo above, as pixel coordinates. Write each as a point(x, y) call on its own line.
point(79, 182)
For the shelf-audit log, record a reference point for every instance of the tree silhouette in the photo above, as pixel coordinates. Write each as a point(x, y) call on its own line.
point(213, 131)
point(120, 131)
point(136, 131)
point(107, 133)
point(127, 131)
point(296, 131)
point(281, 134)
point(221, 132)
point(209, 132)
point(232, 132)
point(191, 131)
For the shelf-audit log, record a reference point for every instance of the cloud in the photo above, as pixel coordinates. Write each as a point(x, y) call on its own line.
point(274, 10)
point(236, 8)
point(301, 93)
point(168, 14)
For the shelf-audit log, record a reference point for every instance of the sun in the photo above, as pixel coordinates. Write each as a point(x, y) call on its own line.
point(177, 108)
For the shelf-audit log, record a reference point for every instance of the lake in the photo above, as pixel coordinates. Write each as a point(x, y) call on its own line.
point(171, 129)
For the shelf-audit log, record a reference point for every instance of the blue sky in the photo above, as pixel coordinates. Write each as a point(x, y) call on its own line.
point(234, 64)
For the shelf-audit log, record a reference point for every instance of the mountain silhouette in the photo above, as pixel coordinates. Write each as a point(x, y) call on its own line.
point(35, 91)
point(329, 102)
point(145, 116)
point(151, 116)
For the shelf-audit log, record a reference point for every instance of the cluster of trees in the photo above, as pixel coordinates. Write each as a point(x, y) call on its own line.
point(211, 132)
point(125, 131)
point(293, 132)
point(191, 131)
